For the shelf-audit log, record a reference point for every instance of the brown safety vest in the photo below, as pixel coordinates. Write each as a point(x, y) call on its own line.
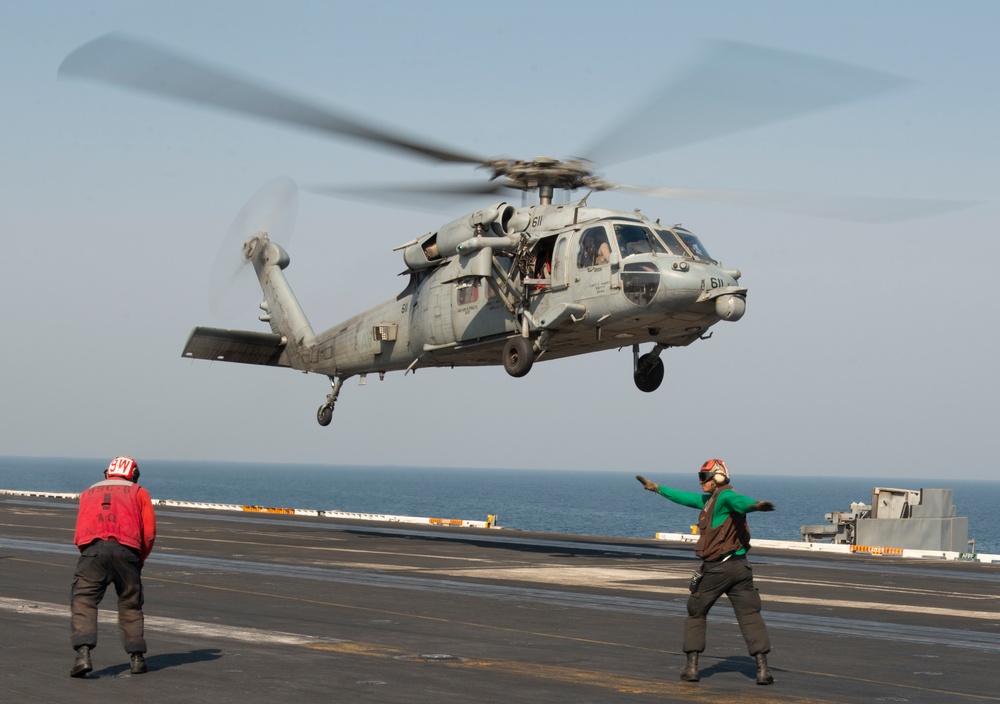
point(716, 543)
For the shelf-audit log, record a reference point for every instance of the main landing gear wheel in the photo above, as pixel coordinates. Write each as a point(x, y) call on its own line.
point(649, 373)
point(324, 415)
point(518, 356)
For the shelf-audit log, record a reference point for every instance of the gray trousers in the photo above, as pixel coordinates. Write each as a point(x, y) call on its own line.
point(102, 563)
point(734, 578)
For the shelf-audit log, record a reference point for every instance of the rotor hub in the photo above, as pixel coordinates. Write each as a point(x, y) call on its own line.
point(545, 172)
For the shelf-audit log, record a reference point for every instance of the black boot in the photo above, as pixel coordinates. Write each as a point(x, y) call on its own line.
point(82, 664)
point(763, 672)
point(690, 671)
point(138, 664)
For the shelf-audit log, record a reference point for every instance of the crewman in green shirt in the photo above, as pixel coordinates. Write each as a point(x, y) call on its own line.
point(723, 540)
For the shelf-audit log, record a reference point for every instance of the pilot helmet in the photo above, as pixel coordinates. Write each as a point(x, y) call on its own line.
point(123, 468)
point(714, 468)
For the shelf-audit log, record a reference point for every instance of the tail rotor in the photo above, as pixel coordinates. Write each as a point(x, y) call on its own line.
point(271, 210)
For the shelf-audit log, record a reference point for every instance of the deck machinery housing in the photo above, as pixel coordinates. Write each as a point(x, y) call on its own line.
point(921, 519)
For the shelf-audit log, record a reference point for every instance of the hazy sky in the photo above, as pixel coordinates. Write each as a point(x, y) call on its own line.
point(865, 349)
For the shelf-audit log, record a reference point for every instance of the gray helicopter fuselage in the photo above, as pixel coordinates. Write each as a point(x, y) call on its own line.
point(501, 286)
point(453, 312)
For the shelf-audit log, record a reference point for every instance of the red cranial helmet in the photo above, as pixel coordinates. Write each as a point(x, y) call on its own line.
point(123, 468)
point(714, 468)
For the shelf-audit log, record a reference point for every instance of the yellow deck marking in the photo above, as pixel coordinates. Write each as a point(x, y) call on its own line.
point(560, 674)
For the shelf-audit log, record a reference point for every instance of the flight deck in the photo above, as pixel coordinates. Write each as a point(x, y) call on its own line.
point(257, 607)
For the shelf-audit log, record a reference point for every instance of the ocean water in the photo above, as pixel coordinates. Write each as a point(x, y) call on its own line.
point(594, 503)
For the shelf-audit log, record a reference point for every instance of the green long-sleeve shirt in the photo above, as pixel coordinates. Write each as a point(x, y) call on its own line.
point(726, 504)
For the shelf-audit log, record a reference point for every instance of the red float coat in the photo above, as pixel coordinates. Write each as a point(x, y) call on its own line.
point(118, 509)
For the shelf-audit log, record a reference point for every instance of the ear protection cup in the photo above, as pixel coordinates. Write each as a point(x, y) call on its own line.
point(715, 471)
point(719, 472)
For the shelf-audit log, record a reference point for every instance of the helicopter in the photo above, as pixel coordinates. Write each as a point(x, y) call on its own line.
point(511, 285)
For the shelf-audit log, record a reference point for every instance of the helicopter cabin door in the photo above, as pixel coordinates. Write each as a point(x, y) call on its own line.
point(477, 312)
point(592, 272)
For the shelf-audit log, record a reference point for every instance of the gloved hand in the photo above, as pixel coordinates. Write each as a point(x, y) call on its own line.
point(763, 506)
point(647, 485)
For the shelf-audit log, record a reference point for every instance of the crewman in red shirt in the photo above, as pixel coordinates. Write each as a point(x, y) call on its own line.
point(115, 530)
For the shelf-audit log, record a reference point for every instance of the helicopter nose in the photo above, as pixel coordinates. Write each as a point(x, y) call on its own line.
point(731, 307)
point(705, 288)
point(721, 288)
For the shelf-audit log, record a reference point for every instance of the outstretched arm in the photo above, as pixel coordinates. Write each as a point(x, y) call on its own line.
point(684, 498)
point(646, 484)
point(731, 502)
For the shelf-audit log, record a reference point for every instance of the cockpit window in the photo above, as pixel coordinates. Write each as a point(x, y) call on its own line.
point(672, 244)
point(636, 239)
point(695, 245)
point(691, 243)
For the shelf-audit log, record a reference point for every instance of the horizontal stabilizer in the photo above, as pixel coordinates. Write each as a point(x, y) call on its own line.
point(240, 346)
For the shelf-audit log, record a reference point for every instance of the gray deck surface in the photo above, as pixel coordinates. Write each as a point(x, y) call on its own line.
point(262, 608)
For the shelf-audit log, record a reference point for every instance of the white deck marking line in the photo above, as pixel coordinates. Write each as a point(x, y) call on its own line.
point(626, 578)
point(198, 629)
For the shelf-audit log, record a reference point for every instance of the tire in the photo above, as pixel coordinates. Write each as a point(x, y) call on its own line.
point(324, 415)
point(649, 375)
point(518, 356)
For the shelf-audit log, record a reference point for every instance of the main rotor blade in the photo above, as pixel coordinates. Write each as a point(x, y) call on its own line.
point(426, 196)
point(130, 63)
point(865, 209)
point(736, 87)
point(440, 189)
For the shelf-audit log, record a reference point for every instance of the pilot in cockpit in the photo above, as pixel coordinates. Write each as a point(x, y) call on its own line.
point(594, 249)
point(603, 255)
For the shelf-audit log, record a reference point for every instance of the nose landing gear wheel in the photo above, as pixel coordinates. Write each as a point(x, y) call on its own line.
point(649, 373)
point(324, 415)
point(518, 356)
